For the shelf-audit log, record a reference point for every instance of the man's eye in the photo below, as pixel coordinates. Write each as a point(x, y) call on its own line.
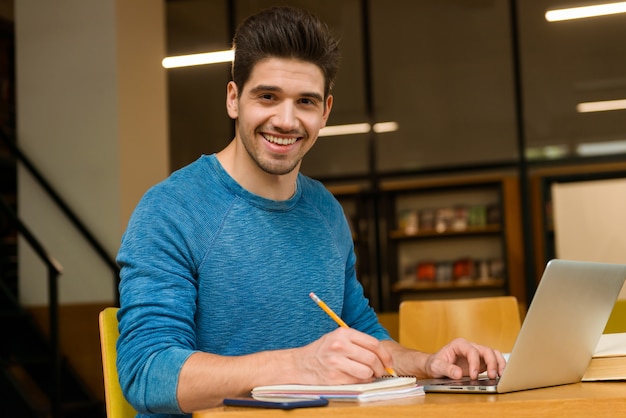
point(267, 96)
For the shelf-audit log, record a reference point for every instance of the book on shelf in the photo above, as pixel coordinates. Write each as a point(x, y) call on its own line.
point(383, 388)
point(609, 359)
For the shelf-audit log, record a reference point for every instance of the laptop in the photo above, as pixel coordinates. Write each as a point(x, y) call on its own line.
point(558, 337)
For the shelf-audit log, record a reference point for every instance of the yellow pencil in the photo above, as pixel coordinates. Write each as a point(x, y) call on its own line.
point(339, 321)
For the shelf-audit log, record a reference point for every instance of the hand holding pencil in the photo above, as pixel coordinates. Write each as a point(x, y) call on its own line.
point(339, 321)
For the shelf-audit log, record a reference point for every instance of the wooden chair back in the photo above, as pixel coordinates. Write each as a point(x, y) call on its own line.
point(617, 320)
point(427, 325)
point(389, 320)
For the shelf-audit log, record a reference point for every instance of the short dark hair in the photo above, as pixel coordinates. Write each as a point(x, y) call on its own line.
point(284, 32)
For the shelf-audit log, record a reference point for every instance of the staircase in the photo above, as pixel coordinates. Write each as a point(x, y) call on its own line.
point(28, 388)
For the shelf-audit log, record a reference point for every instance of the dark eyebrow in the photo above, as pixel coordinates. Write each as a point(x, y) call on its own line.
point(262, 88)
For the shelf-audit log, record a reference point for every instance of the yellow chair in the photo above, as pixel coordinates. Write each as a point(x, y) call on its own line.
point(427, 325)
point(117, 406)
point(389, 320)
point(617, 320)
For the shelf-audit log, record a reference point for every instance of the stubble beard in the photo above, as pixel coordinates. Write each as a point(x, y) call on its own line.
point(277, 167)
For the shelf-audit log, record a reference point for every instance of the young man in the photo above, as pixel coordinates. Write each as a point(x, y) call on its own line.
point(219, 259)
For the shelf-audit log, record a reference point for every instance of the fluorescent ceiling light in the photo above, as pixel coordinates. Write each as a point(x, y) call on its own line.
point(601, 148)
point(585, 11)
point(547, 152)
point(358, 128)
point(198, 59)
point(353, 128)
point(555, 151)
point(385, 127)
point(601, 106)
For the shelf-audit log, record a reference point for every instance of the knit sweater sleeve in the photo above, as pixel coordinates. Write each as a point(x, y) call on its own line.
point(148, 367)
point(158, 292)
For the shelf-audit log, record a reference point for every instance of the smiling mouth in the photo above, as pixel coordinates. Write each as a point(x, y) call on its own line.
point(279, 141)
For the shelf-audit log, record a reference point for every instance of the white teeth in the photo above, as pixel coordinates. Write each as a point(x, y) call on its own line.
point(280, 141)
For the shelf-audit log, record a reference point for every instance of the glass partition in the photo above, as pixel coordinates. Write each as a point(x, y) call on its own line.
point(568, 67)
point(444, 72)
point(198, 122)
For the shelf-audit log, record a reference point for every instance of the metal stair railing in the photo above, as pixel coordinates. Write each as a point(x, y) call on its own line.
point(53, 266)
point(54, 271)
point(64, 207)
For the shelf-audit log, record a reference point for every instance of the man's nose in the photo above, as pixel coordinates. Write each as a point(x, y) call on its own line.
point(286, 116)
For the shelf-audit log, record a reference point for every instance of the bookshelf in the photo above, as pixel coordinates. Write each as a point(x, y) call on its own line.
point(454, 236)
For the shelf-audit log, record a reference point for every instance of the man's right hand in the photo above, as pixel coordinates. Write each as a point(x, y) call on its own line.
point(343, 356)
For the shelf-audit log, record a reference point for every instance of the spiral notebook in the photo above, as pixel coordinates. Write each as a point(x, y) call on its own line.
point(383, 388)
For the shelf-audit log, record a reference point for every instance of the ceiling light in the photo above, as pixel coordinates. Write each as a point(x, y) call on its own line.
point(385, 127)
point(198, 59)
point(547, 152)
point(601, 106)
point(601, 148)
point(585, 11)
point(353, 128)
point(358, 128)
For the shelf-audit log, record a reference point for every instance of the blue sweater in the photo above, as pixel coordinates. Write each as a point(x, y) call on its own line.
point(208, 266)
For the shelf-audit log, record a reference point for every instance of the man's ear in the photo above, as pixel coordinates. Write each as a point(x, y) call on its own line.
point(327, 108)
point(232, 102)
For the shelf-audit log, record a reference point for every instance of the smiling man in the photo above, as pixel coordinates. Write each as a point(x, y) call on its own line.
point(218, 260)
point(278, 114)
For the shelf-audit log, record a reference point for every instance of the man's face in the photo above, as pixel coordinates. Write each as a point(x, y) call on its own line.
point(279, 112)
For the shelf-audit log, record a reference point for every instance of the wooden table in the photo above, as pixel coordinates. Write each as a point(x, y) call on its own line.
point(590, 399)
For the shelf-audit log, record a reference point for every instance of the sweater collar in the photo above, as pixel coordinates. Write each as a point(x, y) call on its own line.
point(253, 199)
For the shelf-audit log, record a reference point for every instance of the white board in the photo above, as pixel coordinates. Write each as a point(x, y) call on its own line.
point(590, 221)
